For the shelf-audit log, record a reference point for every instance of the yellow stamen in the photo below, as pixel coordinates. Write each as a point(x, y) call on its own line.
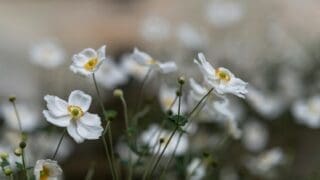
point(45, 173)
point(151, 61)
point(223, 75)
point(91, 64)
point(75, 112)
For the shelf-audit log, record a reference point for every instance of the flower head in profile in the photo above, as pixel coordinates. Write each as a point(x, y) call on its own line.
point(73, 115)
point(145, 59)
point(47, 54)
point(88, 61)
point(132, 68)
point(47, 169)
point(221, 79)
point(308, 111)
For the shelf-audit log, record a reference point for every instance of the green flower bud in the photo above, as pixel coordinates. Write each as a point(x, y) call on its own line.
point(118, 93)
point(7, 170)
point(18, 151)
point(4, 155)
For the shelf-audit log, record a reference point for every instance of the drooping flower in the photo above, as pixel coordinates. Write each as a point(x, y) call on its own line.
point(88, 61)
point(111, 75)
point(47, 169)
point(221, 79)
point(73, 115)
point(47, 54)
point(145, 59)
point(308, 111)
point(196, 170)
point(154, 134)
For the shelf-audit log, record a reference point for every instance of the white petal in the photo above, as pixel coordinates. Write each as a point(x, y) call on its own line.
point(141, 57)
point(102, 52)
point(62, 121)
point(90, 119)
point(89, 53)
point(56, 106)
point(72, 130)
point(79, 60)
point(79, 70)
point(89, 132)
point(167, 67)
point(80, 99)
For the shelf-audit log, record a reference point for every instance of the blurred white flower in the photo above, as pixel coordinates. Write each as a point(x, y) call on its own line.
point(307, 112)
point(131, 67)
point(224, 13)
point(145, 59)
point(47, 54)
point(166, 98)
point(265, 162)
point(255, 136)
point(197, 91)
point(88, 61)
point(47, 169)
point(110, 75)
point(190, 37)
point(228, 173)
point(266, 105)
point(221, 79)
point(155, 29)
point(29, 116)
point(152, 137)
point(73, 115)
point(125, 152)
point(196, 170)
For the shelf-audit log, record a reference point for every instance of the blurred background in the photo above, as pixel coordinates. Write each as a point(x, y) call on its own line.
point(273, 45)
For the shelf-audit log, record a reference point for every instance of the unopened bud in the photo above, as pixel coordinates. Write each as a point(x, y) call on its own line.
point(18, 151)
point(12, 98)
point(22, 145)
point(118, 93)
point(7, 170)
point(4, 155)
point(181, 80)
point(161, 140)
point(178, 93)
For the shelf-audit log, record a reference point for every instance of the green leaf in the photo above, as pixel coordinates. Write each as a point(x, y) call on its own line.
point(178, 120)
point(110, 114)
point(19, 166)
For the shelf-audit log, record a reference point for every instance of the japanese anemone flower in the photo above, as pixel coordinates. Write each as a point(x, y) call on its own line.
point(221, 79)
point(88, 61)
point(47, 169)
point(73, 115)
point(145, 59)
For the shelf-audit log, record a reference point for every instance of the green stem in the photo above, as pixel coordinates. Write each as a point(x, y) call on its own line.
point(17, 115)
point(138, 102)
point(24, 164)
point(58, 146)
point(198, 104)
point(90, 172)
point(107, 149)
point(149, 164)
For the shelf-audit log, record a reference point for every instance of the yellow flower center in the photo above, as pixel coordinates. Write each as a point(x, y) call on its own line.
point(223, 75)
point(151, 61)
point(45, 173)
point(75, 112)
point(91, 64)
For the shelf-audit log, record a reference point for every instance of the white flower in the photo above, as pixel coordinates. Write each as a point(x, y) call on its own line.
point(190, 37)
point(221, 79)
point(196, 169)
point(131, 67)
point(110, 75)
point(155, 29)
point(223, 14)
point(166, 98)
point(73, 114)
point(267, 105)
point(145, 59)
point(255, 136)
point(47, 54)
point(125, 152)
point(29, 116)
point(228, 173)
point(152, 137)
point(47, 169)
point(88, 61)
point(265, 162)
point(308, 111)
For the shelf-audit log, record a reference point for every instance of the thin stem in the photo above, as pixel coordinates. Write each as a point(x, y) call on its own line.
point(107, 149)
point(111, 152)
point(98, 93)
point(198, 104)
point(149, 164)
point(164, 149)
point(24, 164)
point(58, 146)
point(90, 172)
point(138, 102)
point(17, 115)
point(125, 112)
point(11, 177)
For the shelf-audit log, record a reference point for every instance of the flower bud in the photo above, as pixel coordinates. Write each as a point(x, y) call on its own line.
point(18, 151)
point(7, 170)
point(4, 155)
point(161, 140)
point(178, 93)
point(118, 93)
point(181, 80)
point(12, 98)
point(22, 145)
